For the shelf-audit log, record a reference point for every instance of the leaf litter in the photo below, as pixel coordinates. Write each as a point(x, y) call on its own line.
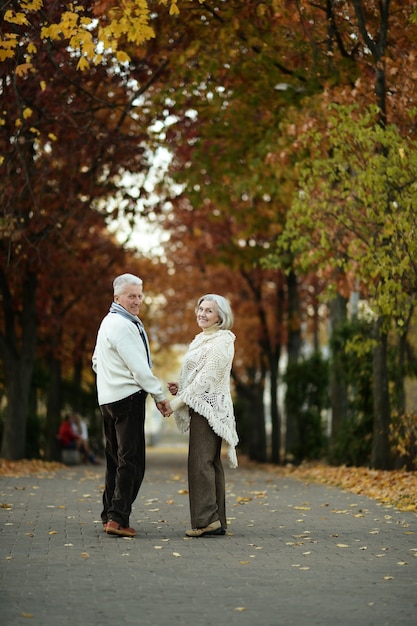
point(393, 487)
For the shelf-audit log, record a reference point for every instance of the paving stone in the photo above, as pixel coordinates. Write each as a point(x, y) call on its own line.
point(295, 553)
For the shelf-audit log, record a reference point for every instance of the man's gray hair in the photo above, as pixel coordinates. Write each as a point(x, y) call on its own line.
point(223, 307)
point(121, 281)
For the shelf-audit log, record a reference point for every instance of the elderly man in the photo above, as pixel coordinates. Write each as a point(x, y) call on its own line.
point(122, 363)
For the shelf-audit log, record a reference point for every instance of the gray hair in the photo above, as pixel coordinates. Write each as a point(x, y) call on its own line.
point(121, 281)
point(223, 309)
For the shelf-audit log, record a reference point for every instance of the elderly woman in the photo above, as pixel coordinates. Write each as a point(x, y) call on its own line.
point(203, 405)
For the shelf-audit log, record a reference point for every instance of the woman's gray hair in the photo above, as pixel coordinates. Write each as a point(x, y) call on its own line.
point(121, 281)
point(223, 307)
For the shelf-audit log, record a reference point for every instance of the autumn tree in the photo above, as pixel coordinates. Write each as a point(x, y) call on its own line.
point(67, 139)
point(355, 212)
point(73, 295)
point(243, 79)
point(229, 84)
point(203, 112)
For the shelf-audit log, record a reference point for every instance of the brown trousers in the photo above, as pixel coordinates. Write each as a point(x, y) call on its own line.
point(206, 484)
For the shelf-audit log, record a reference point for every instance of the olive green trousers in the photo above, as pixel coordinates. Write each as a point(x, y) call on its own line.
point(206, 483)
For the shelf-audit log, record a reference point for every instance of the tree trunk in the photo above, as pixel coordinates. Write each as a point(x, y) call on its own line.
point(381, 456)
point(337, 382)
point(53, 411)
point(275, 416)
point(273, 352)
point(292, 437)
point(257, 443)
point(250, 417)
point(400, 399)
point(18, 388)
point(18, 357)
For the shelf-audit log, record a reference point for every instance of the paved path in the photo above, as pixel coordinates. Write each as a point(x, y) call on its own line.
point(294, 554)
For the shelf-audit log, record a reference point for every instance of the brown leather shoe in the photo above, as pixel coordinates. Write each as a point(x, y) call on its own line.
point(114, 528)
point(215, 528)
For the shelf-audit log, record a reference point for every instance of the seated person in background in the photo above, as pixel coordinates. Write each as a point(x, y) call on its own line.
point(67, 435)
point(80, 426)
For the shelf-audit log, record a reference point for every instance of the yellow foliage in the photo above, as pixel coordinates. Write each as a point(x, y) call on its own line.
point(6, 54)
point(173, 9)
point(31, 5)
point(7, 46)
point(53, 31)
point(15, 18)
point(27, 113)
point(68, 24)
point(83, 64)
point(124, 21)
point(23, 69)
point(122, 57)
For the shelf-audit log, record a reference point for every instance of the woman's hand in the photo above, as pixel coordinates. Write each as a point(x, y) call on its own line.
point(173, 388)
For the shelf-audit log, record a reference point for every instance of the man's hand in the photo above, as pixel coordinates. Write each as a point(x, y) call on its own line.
point(165, 408)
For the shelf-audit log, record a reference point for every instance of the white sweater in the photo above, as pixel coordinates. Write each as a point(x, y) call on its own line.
point(204, 385)
point(121, 363)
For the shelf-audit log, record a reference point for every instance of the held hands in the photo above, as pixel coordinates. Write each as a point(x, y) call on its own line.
point(165, 408)
point(173, 388)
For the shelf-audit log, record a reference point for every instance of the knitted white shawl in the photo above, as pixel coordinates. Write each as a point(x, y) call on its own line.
point(204, 385)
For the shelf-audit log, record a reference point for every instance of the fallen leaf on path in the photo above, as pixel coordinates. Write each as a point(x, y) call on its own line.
point(259, 494)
